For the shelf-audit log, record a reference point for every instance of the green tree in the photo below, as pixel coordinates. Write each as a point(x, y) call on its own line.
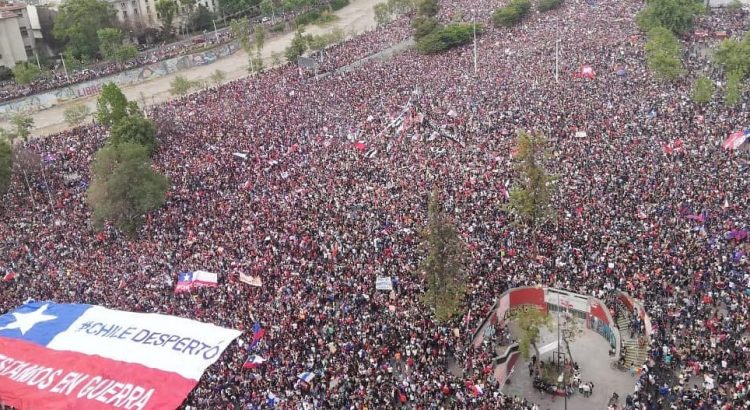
point(26, 73)
point(23, 125)
point(235, 6)
point(124, 187)
point(382, 14)
point(256, 63)
point(734, 88)
point(134, 129)
point(166, 10)
point(447, 37)
point(260, 37)
point(663, 52)
point(112, 106)
point(423, 26)
point(428, 8)
point(530, 197)
point(675, 15)
point(703, 90)
point(75, 115)
point(6, 165)
point(530, 322)
point(511, 14)
point(547, 5)
point(112, 48)
point(180, 86)
point(202, 19)
point(218, 77)
point(266, 7)
point(444, 264)
point(6, 73)
point(77, 23)
point(297, 47)
point(734, 55)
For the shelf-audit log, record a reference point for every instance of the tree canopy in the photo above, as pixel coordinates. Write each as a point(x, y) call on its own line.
point(531, 195)
point(511, 14)
point(111, 45)
point(703, 90)
point(112, 106)
point(77, 23)
point(124, 187)
point(76, 114)
point(25, 73)
point(674, 15)
point(135, 129)
point(180, 86)
point(444, 265)
point(167, 10)
point(734, 55)
point(6, 165)
point(530, 322)
point(663, 52)
point(297, 47)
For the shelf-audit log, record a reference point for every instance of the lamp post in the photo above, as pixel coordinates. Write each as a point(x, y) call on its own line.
point(474, 25)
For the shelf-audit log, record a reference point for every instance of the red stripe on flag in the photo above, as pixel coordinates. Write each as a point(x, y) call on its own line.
point(70, 380)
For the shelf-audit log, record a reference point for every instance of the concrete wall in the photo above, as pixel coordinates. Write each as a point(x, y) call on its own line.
point(51, 98)
point(11, 42)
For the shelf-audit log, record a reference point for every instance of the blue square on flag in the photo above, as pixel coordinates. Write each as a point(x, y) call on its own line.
point(39, 322)
point(185, 277)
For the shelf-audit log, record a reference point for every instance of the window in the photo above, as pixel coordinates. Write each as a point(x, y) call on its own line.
point(24, 32)
point(135, 11)
point(29, 51)
point(124, 14)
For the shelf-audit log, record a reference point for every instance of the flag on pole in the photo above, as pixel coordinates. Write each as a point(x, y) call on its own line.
point(272, 399)
point(258, 333)
point(186, 281)
point(306, 376)
point(253, 361)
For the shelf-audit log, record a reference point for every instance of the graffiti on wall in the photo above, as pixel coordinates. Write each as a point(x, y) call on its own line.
point(42, 101)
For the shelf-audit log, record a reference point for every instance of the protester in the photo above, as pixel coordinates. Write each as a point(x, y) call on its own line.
point(330, 192)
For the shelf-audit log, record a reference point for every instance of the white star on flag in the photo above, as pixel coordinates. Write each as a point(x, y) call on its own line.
point(25, 321)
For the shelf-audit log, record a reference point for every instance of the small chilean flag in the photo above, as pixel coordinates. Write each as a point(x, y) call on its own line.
point(253, 361)
point(9, 276)
point(258, 333)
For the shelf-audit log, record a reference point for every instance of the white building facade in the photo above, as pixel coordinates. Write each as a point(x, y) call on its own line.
point(16, 34)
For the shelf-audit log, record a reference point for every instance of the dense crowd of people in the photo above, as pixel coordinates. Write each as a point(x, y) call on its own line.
point(331, 192)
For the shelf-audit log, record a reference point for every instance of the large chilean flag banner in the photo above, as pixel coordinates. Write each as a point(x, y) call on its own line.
point(64, 356)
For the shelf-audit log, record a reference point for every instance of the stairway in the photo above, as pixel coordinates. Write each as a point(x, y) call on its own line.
point(635, 354)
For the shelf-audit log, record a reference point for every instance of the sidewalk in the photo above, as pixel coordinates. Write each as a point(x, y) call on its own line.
point(591, 352)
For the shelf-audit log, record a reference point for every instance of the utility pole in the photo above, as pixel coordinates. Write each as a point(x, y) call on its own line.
point(39, 66)
point(557, 51)
point(216, 32)
point(62, 58)
point(473, 20)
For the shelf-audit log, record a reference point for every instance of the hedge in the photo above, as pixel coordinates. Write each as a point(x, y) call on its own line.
point(447, 37)
point(511, 14)
point(547, 5)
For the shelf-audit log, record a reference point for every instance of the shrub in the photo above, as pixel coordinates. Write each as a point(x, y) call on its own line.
point(511, 14)
point(278, 27)
point(447, 37)
point(5, 73)
point(547, 5)
point(703, 90)
point(423, 26)
point(307, 18)
point(338, 4)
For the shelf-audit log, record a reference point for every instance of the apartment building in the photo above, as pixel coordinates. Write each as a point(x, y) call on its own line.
point(17, 41)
